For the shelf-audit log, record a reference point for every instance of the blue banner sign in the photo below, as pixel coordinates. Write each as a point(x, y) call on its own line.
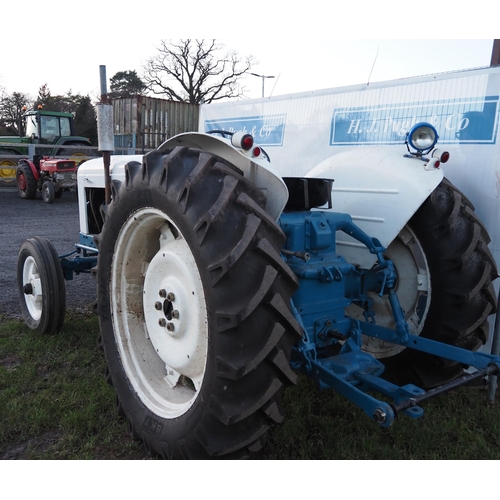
point(458, 121)
point(266, 130)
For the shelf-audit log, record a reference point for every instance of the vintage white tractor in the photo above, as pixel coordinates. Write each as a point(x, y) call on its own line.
point(218, 280)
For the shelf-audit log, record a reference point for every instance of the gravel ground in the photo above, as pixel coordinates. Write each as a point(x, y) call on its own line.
point(21, 219)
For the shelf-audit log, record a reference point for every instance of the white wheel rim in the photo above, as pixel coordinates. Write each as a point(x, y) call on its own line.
point(34, 299)
point(413, 289)
point(161, 338)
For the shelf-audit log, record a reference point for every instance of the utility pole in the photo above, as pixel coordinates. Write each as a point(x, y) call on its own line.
point(495, 54)
point(263, 77)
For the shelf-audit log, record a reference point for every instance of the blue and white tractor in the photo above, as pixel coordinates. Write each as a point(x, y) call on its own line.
point(218, 281)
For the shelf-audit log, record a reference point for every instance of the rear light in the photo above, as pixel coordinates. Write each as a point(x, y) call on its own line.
point(442, 156)
point(256, 151)
point(242, 141)
point(432, 164)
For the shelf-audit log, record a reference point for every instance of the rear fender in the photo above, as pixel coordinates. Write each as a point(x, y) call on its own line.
point(381, 189)
point(73, 141)
point(36, 174)
point(258, 172)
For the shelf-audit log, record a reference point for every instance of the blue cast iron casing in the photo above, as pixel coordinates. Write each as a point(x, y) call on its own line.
point(328, 283)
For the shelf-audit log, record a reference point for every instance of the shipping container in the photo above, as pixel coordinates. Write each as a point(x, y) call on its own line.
point(143, 123)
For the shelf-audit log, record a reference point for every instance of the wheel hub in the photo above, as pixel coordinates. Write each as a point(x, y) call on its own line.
point(22, 182)
point(32, 288)
point(413, 288)
point(159, 312)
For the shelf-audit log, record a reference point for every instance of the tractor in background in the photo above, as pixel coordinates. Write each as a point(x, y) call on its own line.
point(44, 128)
point(49, 176)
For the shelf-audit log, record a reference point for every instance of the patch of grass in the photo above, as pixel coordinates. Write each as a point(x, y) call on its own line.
point(54, 401)
point(55, 404)
point(323, 425)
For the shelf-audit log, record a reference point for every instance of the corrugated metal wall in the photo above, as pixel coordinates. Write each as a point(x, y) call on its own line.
point(144, 123)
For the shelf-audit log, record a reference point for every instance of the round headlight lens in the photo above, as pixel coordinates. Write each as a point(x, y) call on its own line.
point(422, 137)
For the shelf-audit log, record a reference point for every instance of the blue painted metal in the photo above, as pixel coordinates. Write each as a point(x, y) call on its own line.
point(330, 350)
point(415, 127)
point(83, 261)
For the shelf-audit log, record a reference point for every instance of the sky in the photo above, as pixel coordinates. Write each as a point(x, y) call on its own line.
point(304, 49)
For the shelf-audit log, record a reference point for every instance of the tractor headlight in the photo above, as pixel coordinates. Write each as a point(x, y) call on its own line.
point(422, 137)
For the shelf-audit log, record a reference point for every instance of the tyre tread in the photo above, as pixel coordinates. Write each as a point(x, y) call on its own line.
point(249, 286)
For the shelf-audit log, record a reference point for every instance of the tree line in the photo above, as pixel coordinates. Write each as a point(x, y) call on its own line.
point(193, 71)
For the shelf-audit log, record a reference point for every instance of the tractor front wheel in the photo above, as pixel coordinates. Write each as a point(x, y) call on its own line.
point(48, 192)
point(41, 286)
point(194, 306)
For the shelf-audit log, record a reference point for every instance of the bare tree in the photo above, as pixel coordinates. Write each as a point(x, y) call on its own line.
point(195, 71)
point(12, 107)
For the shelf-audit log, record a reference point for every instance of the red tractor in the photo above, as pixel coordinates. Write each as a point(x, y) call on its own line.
point(47, 175)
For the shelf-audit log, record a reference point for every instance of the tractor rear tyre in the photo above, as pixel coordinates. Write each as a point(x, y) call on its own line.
point(41, 286)
point(48, 192)
point(78, 155)
point(194, 306)
point(7, 170)
point(26, 182)
point(459, 294)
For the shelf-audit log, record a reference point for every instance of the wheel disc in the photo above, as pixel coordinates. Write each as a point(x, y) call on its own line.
point(413, 288)
point(78, 158)
point(7, 169)
point(159, 313)
point(22, 182)
point(33, 295)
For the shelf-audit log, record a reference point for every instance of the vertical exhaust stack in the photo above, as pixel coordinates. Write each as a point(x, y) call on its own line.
point(105, 132)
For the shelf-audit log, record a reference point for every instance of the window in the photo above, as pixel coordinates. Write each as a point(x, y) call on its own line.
point(65, 126)
point(50, 127)
point(31, 126)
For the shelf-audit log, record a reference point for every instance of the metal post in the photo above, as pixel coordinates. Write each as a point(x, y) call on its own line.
point(31, 151)
point(105, 133)
point(495, 350)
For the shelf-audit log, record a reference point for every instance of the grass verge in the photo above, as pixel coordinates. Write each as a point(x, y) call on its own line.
point(55, 404)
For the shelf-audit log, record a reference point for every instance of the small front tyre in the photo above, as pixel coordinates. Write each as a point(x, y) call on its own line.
point(48, 192)
point(41, 286)
point(194, 306)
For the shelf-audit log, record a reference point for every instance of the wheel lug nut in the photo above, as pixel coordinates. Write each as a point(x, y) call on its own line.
point(175, 314)
point(158, 306)
point(170, 297)
point(162, 293)
point(170, 327)
point(162, 322)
